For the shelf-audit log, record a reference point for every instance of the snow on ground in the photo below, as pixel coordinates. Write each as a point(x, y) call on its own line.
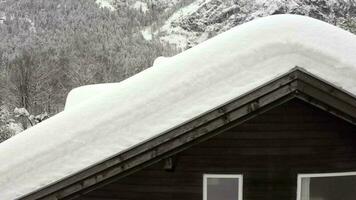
point(171, 93)
point(15, 128)
point(147, 33)
point(139, 5)
point(106, 4)
point(21, 112)
point(2, 17)
point(32, 24)
point(167, 3)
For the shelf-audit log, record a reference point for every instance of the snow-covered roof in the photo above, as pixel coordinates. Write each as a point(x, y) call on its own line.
point(85, 93)
point(171, 93)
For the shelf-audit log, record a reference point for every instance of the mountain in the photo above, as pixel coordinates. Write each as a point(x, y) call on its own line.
point(49, 47)
point(186, 23)
point(203, 19)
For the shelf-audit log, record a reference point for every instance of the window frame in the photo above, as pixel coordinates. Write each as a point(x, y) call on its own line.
point(316, 175)
point(239, 177)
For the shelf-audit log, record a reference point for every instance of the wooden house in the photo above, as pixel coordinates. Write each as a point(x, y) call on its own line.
point(266, 111)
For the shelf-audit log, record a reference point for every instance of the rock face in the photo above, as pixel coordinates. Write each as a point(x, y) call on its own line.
point(203, 19)
point(146, 5)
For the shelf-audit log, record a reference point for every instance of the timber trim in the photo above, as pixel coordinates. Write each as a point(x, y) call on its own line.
point(169, 164)
point(298, 83)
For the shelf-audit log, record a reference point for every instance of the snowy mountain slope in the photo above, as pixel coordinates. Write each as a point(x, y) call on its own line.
point(203, 19)
point(143, 5)
point(106, 4)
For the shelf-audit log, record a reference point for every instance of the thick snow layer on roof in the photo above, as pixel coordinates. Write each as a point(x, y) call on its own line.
point(85, 93)
point(160, 60)
point(171, 93)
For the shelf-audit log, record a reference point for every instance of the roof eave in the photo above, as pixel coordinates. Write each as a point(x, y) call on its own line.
point(298, 83)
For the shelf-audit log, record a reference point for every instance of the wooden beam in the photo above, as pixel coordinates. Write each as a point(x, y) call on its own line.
point(333, 106)
point(327, 97)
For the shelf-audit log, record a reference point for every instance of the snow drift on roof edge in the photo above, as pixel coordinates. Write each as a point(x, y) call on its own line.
point(84, 93)
point(196, 81)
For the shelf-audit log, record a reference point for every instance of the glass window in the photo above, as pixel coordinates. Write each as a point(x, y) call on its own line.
point(336, 186)
point(222, 187)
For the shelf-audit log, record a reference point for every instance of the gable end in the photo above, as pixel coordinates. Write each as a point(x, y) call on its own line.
point(298, 83)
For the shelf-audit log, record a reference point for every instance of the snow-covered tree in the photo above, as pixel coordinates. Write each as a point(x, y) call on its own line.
point(8, 126)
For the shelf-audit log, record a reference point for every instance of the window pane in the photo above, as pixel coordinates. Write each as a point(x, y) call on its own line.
point(222, 188)
point(329, 188)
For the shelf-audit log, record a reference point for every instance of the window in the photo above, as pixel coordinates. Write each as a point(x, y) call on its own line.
point(335, 186)
point(222, 187)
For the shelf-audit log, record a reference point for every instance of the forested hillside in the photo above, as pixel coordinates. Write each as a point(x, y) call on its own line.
point(49, 47)
point(204, 19)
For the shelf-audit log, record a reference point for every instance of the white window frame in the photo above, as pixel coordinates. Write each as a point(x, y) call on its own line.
point(316, 175)
point(239, 177)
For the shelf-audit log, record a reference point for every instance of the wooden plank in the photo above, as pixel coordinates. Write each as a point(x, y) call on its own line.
point(265, 174)
point(326, 87)
point(327, 102)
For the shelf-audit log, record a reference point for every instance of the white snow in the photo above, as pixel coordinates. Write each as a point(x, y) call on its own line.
point(147, 33)
point(171, 93)
point(142, 6)
point(32, 24)
point(15, 127)
point(106, 4)
point(160, 60)
point(165, 3)
point(2, 17)
point(21, 112)
point(84, 93)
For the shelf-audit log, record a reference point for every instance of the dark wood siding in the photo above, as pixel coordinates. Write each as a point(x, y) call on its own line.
point(269, 150)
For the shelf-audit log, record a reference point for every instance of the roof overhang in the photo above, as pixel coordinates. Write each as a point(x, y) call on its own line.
point(298, 83)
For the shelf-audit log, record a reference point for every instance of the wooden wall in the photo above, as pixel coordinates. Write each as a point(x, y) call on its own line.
point(269, 151)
